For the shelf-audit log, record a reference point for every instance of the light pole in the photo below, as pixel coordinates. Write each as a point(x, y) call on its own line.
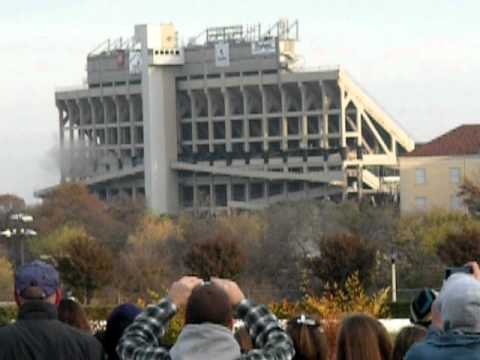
point(394, 276)
point(20, 231)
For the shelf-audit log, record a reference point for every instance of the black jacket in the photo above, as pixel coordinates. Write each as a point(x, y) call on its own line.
point(38, 334)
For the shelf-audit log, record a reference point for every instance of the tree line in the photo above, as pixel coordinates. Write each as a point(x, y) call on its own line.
point(118, 251)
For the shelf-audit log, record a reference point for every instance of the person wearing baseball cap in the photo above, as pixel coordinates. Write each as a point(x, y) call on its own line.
point(421, 307)
point(37, 333)
point(459, 306)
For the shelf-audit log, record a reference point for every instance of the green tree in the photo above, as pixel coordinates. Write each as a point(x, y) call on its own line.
point(470, 194)
point(460, 247)
point(342, 255)
point(217, 256)
point(146, 263)
point(53, 243)
point(6, 280)
point(416, 243)
point(85, 265)
point(72, 204)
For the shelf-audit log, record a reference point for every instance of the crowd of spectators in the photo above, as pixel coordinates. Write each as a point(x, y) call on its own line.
point(445, 325)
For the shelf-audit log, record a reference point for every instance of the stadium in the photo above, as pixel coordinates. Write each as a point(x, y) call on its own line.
point(228, 120)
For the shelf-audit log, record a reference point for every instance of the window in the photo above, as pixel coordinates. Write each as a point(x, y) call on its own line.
point(419, 176)
point(256, 190)
point(187, 132)
point(256, 148)
point(219, 130)
point(202, 131)
point(455, 203)
point(293, 144)
point(237, 148)
point(238, 192)
point(255, 128)
point(293, 127)
point(421, 203)
point(455, 176)
point(237, 129)
point(312, 125)
point(187, 196)
point(274, 127)
point(274, 147)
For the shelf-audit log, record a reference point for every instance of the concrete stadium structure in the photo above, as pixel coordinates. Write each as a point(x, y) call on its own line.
point(229, 120)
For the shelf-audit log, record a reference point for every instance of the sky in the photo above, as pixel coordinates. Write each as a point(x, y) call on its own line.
point(420, 60)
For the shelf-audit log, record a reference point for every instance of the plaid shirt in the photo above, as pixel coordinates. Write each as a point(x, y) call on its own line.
point(140, 341)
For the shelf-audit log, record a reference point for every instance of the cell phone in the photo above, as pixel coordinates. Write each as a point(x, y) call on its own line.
point(454, 270)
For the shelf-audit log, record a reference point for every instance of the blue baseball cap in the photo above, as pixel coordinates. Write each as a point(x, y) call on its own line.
point(37, 274)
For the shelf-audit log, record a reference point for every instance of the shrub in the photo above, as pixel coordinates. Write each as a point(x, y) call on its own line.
point(340, 301)
point(6, 279)
point(217, 256)
point(285, 309)
point(7, 314)
point(341, 256)
point(460, 247)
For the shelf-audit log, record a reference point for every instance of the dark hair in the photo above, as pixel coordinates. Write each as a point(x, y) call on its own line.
point(72, 313)
point(32, 293)
point(209, 303)
point(244, 339)
point(408, 336)
point(308, 338)
point(120, 318)
point(362, 337)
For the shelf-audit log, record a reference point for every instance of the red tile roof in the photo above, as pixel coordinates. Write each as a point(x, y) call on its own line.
point(463, 140)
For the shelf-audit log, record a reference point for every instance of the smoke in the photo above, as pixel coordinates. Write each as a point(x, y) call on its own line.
point(76, 159)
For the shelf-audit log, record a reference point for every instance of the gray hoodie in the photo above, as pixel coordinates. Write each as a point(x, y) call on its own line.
point(205, 342)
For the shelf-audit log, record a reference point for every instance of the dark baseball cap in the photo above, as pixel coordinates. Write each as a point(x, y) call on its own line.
point(37, 274)
point(421, 307)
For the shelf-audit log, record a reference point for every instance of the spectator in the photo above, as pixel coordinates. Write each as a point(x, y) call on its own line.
point(308, 338)
point(408, 336)
point(37, 333)
point(244, 340)
point(421, 307)
point(362, 337)
point(209, 319)
point(71, 312)
point(120, 318)
point(459, 304)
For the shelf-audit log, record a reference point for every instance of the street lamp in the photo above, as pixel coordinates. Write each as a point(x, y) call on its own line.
point(20, 231)
point(394, 276)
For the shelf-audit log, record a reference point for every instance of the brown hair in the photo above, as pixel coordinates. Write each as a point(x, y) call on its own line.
point(362, 337)
point(244, 339)
point(72, 313)
point(308, 338)
point(209, 303)
point(408, 336)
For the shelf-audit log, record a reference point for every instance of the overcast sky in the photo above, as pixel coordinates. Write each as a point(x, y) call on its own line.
point(419, 59)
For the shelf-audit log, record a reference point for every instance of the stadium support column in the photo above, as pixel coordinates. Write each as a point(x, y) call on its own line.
point(93, 144)
point(358, 121)
point(228, 123)
point(62, 140)
point(283, 95)
point(324, 123)
point(159, 99)
point(71, 139)
point(343, 138)
point(304, 128)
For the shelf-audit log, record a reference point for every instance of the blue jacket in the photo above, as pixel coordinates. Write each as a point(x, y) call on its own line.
point(446, 346)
